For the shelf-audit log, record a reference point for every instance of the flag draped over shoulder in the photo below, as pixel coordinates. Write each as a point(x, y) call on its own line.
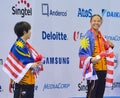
point(110, 67)
point(19, 60)
point(85, 53)
point(110, 57)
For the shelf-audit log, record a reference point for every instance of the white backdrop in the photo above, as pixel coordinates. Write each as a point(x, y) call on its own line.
point(57, 27)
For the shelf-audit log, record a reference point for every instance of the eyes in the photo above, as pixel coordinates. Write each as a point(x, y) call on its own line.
point(99, 21)
point(96, 19)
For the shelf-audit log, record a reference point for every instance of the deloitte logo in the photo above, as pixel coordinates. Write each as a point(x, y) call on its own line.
point(54, 36)
point(49, 12)
point(23, 11)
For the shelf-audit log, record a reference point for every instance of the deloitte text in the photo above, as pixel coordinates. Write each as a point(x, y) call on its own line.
point(22, 12)
point(54, 36)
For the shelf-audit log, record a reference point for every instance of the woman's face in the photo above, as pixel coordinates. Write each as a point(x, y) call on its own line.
point(27, 35)
point(96, 22)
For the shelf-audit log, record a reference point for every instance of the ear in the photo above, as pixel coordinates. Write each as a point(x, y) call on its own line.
point(24, 32)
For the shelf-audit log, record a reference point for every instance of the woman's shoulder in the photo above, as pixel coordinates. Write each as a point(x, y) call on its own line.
point(89, 33)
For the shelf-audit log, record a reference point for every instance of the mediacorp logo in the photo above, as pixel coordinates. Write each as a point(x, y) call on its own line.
point(54, 36)
point(22, 8)
point(82, 12)
point(108, 13)
point(52, 12)
point(56, 86)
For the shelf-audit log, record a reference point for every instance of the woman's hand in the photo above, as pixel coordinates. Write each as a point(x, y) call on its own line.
point(36, 64)
point(110, 43)
point(94, 60)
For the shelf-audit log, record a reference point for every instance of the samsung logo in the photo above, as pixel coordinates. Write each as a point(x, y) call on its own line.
point(56, 60)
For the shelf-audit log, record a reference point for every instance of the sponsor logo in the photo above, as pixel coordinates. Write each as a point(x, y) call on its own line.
point(1, 61)
point(77, 35)
point(84, 12)
point(113, 38)
point(82, 87)
point(56, 60)
point(36, 87)
point(116, 61)
point(108, 13)
point(52, 12)
point(56, 86)
point(54, 36)
point(22, 8)
point(1, 90)
point(116, 85)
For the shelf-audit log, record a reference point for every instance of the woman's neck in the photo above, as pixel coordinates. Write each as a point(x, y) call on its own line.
point(24, 39)
point(95, 31)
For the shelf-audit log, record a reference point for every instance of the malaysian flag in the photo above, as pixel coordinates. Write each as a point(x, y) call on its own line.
point(19, 60)
point(89, 72)
point(85, 53)
point(110, 67)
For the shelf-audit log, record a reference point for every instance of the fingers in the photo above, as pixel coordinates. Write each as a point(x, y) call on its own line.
point(10, 88)
point(36, 64)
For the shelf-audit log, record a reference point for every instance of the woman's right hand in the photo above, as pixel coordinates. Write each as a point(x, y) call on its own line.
point(94, 60)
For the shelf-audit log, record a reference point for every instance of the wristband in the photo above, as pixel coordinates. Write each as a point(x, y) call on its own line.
point(98, 57)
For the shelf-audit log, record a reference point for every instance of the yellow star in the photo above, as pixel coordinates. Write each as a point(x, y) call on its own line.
point(84, 43)
point(19, 44)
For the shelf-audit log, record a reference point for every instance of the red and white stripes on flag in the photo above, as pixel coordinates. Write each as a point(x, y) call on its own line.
point(14, 68)
point(17, 68)
point(88, 70)
point(110, 67)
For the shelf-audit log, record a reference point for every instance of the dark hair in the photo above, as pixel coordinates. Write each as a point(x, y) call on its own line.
point(96, 15)
point(20, 27)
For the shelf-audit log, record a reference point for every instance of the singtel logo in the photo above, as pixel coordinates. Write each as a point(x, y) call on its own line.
point(23, 10)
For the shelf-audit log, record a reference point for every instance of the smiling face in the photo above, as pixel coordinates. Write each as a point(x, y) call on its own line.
point(96, 22)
